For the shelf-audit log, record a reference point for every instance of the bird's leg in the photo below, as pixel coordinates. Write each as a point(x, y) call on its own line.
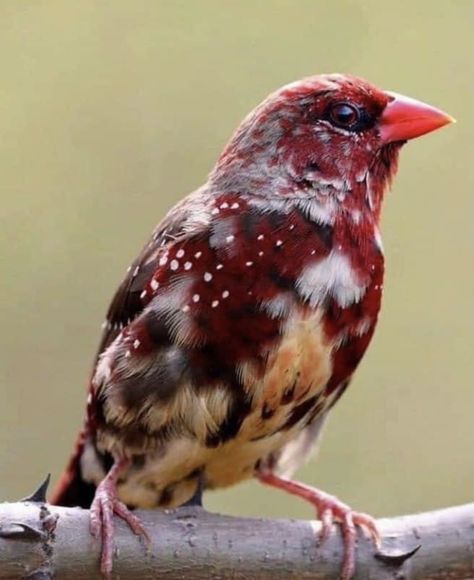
point(328, 509)
point(103, 508)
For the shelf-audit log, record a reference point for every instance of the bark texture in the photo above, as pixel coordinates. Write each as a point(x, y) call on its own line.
point(39, 541)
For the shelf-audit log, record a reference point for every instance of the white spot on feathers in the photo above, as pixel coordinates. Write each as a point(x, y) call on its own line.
point(174, 265)
point(279, 306)
point(333, 276)
point(207, 277)
point(169, 305)
point(223, 231)
point(378, 239)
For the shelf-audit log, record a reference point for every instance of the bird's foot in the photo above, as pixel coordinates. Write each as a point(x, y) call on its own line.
point(329, 509)
point(103, 508)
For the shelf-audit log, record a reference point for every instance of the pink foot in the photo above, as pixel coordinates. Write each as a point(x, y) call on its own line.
point(103, 508)
point(328, 509)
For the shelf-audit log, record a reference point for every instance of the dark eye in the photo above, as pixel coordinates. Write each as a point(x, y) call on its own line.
point(344, 115)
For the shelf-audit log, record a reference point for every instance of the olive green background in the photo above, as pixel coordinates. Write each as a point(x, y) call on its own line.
point(111, 111)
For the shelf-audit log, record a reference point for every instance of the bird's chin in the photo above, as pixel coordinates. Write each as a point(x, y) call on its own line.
point(387, 157)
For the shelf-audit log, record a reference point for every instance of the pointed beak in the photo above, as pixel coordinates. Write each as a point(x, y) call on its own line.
point(404, 118)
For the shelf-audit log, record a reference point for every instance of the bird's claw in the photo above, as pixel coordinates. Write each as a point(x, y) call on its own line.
point(330, 509)
point(103, 508)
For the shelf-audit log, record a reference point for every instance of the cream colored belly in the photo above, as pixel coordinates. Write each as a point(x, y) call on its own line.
point(301, 366)
point(224, 466)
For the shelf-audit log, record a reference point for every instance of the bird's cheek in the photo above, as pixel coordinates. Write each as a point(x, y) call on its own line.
point(298, 154)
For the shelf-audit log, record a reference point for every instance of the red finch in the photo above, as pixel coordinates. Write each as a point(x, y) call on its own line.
point(243, 319)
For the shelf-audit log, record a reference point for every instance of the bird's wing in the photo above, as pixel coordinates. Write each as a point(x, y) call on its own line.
point(184, 221)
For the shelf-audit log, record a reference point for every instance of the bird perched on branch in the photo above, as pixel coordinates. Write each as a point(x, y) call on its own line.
point(243, 319)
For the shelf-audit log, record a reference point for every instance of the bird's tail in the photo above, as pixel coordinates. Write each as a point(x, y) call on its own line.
point(72, 490)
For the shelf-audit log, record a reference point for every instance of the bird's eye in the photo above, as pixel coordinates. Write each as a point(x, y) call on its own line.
point(344, 115)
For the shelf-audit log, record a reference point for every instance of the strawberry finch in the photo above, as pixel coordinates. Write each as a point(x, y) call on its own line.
point(243, 319)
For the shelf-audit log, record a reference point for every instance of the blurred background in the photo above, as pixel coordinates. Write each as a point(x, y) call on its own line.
point(111, 111)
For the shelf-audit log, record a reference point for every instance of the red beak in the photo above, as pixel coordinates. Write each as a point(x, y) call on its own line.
point(404, 118)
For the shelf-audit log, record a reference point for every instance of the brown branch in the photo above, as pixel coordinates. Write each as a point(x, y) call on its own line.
point(39, 541)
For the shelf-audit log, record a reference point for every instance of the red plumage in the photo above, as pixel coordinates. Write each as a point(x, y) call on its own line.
point(243, 319)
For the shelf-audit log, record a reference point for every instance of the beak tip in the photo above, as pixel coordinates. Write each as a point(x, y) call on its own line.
point(444, 120)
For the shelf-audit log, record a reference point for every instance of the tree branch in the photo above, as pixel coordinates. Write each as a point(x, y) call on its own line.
point(39, 541)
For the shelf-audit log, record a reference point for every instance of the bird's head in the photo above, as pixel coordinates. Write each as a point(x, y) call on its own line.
point(333, 138)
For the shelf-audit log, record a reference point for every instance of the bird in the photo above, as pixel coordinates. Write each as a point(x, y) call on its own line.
point(243, 319)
